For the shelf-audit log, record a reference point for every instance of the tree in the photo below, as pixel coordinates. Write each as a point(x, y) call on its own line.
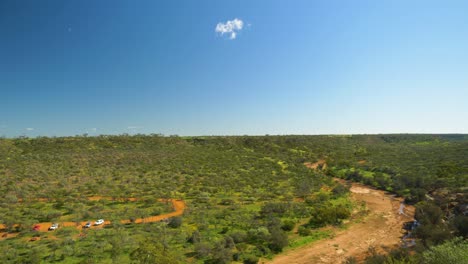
point(304, 231)
point(118, 239)
point(222, 251)
point(278, 240)
point(250, 259)
point(195, 237)
point(453, 251)
point(175, 222)
point(152, 253)
point(288, 225)
point(460, 222)
point(202, 249)
point(432, 230)
point(306, 185)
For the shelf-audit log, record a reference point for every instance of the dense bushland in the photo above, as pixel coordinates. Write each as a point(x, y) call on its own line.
point(244, 194)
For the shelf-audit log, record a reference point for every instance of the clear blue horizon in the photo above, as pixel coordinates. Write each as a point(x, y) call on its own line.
point(233, 68)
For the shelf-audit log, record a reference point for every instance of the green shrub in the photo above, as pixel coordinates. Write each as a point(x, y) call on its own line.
point(453, 251)
point(288, 225)
point(304, 231)
point(250, 259)
point(175, 222)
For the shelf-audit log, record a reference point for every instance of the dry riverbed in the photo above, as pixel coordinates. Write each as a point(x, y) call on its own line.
point(381, 229)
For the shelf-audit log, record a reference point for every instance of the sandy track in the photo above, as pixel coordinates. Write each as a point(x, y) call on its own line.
point(179, 207)
point(381, 229)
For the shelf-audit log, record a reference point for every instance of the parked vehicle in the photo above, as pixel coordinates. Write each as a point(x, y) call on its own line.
point(53, 226)
point(87, 225)
point(99, 222)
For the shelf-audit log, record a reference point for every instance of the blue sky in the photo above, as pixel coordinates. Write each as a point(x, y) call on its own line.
point(295, 67)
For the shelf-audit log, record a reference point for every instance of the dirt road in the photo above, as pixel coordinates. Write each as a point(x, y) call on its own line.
point(179, 207)
point(381, 229)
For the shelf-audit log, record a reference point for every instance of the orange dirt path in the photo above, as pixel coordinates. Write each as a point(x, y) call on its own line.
point(381, 228)
point(179, 207)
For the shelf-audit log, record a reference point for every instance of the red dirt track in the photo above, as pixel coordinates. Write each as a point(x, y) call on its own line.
point(179, 207)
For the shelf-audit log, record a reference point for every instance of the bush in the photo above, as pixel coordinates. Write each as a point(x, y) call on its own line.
point(304, 231)
point(227, 202)
point(250, 259)
point(278, 240)
point(328, 214)
point(238, 236)
point(194, 238)
point(152, 253)
point(288, 225)
point(202, 249)
point(454, 251)
point(273, 208)
point(339, 190)
point(460, 222)
point(175, 222)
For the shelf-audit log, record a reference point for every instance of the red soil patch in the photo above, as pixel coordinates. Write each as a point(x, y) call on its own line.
point(4, 235)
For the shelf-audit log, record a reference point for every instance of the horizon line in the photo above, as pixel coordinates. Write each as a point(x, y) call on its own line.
point(85, 135)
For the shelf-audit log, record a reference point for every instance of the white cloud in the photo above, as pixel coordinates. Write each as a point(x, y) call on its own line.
point(231, 27)
point(29, 129)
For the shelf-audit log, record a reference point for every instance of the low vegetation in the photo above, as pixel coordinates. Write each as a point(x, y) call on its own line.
point(247, 197)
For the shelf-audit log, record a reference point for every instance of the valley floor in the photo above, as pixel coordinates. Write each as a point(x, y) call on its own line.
point(380, 229)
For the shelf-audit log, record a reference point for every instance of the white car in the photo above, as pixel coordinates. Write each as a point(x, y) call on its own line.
point(53, 226)
point(99, 222)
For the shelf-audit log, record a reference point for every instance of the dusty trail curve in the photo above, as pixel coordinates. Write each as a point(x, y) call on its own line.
point(179, 207)
point(381, 228)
